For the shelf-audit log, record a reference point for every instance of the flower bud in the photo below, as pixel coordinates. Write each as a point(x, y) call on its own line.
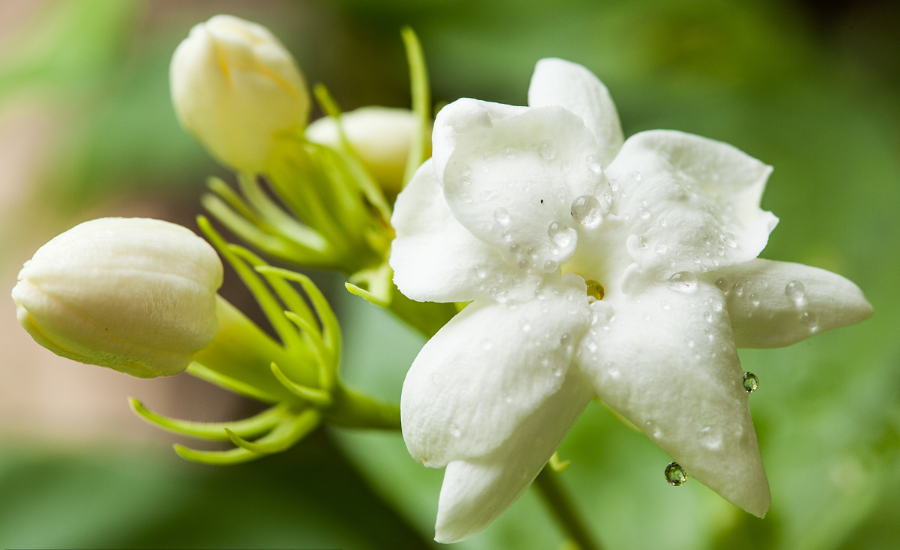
point(381, 137)
point(236, 88)
point(135, 295)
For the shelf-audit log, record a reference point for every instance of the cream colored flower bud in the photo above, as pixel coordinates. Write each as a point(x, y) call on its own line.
point(381, 137)
point(236, 88)
point(135, 295)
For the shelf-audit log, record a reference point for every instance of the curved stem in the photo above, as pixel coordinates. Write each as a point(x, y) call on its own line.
point(563, 509)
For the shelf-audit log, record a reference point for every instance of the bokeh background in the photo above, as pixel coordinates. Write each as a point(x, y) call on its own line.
point(87, 130)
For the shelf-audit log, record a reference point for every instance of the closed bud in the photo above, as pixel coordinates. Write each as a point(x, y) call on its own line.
point(236, 89)
point(135, 295)
point(381, 137)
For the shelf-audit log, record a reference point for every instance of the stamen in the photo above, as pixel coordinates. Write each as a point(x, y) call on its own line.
point(595, 290)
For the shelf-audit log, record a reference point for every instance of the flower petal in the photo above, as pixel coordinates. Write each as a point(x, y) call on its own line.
point(689, 203)
point(477, 491)
point(666, 360)
point(775, 304)
point(436, 259)
point(487, 369)
point(511, 176)
point(569, 85)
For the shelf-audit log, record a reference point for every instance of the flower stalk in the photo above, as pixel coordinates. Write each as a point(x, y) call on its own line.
point(563, 509)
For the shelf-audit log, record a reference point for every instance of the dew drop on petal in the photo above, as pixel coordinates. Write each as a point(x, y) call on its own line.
point(754, 300)
point(549, 266)
point(795, 290)
point(636, 175)
point(643, 213)
point(502, 216)
point(663, 304)
point(509, 153)
point(586, 210)
point(454, 430)
point(559, 234)
point(810, 320)
point(675, 475)
point(614, 185)
point(738, 289)
point(662, 222)
point(711, 438)
point(729, 240)
point(708, 316)
point(722, 283)
point(593, 165)
point(660, 248)
point(683, 281)
point(750, 382)
point(565, 339)
point(547, 150)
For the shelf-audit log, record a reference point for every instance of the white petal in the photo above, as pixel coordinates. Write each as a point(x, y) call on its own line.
point(691, 203)
point(436, 259)
point(511, 175)
point(569, 85)
point(477, 491)
point(666, 360)
point(486, 370)
point(775, 304)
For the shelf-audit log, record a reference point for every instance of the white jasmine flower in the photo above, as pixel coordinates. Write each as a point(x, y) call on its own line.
point(381, 136)
point(626, 269)
point(134, 295)
point(237, 89)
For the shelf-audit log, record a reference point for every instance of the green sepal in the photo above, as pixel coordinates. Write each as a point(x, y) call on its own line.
point(366, 295)
point(421, 102)
point(316, 397)
point(249, 427)
point(282, 437)
point(557, 465)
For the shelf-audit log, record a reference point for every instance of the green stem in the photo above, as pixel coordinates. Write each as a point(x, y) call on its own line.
point(354, 410)
point(563, 509)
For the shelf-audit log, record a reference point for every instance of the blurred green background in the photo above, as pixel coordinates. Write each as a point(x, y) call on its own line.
point(86, 129)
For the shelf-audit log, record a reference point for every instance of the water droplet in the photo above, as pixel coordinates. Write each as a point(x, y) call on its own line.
point(675, 475)
point(586, 211)
point(811, 320)
point(526, 326)
point(643, 213)
point(683, 281)
point(642, 243)
point(795, 290)
point(565, 339)
point(690, 343)
point(524, 264)
point(486, 344)
point(548, 150)
point(738, 289)
point(595, 290)
point(454, 430)
point(542, 357)
point(636, 175)
point(559, 234)
point(660, 248)
point(466, 171)
point(502, 216)
point(614, 185)
point(754, 299)
point(722, 283)
point(708, 316)
point(593, 165)
point(466, 198)
point(720, 250)
point(663, 222)
point(750, 382)
point(664, 305)
point(729, 240)
point(697, 259)
point(481, 272)
point(531, 252)
point(507, 236)
point(509, 153)
point(711, 438)
point(549, 266)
